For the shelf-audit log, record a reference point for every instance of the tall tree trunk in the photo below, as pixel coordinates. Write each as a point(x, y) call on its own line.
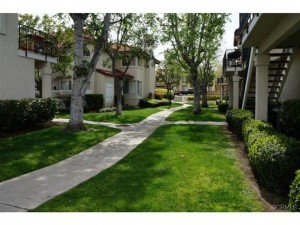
point(119, 88)
point(82, 72)
point(204, 95)
point(197, 107)
point(169, 93)
point(76, 109)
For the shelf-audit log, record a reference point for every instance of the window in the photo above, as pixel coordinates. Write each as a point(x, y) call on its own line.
point(129, 87)
point(139, 87)
point(66, 85)
point(2, 23)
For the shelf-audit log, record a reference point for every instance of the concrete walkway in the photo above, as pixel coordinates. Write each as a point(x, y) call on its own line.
point(30, 190)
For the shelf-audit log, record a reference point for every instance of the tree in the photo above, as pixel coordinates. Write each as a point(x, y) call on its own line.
point(170, 73)
point(188, 34)
point(83, 70)
point(128, 40)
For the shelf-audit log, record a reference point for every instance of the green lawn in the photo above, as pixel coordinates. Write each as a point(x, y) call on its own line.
point(129, 115)
point(208, 114)
point(180, 168)
point(34, 150)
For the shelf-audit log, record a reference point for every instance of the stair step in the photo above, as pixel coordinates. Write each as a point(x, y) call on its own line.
point(284, 68)
point(276, 75)
point(279, 61)
point(274, 86)
point(280, 54)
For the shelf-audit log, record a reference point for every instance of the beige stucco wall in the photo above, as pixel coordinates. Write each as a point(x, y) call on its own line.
point(291, 88)
point(16, 73)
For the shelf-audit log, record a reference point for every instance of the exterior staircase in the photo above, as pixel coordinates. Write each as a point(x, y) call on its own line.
point(278, 69)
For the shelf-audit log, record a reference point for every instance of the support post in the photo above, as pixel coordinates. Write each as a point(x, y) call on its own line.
point(230, 100)
point(261, 94)
point(46, 80)
point(236, 80)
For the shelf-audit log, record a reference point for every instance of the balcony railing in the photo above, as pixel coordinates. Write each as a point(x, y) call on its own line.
point(232, 59)
point(32, 40)
point(244, 29)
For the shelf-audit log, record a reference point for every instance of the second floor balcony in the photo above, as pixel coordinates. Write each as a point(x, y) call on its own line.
point(232, 61)
point(37, 45)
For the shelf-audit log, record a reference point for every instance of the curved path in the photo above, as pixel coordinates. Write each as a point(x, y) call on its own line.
point(30, 190)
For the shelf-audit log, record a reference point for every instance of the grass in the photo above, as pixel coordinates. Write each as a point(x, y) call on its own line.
point(129, 115)
point(187, 173)
point(208, 114)
point(25, 153)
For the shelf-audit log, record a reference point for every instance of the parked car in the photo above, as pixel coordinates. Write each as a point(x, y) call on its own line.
point(189, 91)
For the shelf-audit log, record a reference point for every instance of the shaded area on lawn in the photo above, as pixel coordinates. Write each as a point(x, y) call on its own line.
point(28, 152)
point(208, 114)
point(178, 169)
point(129, 115)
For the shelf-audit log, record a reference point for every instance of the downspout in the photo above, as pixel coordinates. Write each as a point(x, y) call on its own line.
point(249, 74)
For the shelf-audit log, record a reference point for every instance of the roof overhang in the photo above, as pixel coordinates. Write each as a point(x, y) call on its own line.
point(119, 74)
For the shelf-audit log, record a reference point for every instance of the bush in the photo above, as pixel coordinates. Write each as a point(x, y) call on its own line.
point(122, 100)
point(235, 119)
point(158, 96)
point(16, 115)
point(162, 92)
point(212, 97)
point(152, 103)
point(294, 195)
point(94, 102)
point(290, 117)
point(273, 156)
point(253, 128)
point(222, 106)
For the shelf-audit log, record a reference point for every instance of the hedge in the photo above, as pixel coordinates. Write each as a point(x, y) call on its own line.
point(152, 103)
point(94, 101)
point(15, 115)
point(294, 195)
point(290, 117)
point(274, 157)
point(235, 119)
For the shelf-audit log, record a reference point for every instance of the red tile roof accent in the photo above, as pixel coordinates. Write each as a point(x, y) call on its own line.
point(119, 73)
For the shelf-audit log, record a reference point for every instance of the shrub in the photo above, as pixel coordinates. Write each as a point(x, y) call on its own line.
point(158, 96)
point(122, 100)
point(273, 156)
point(290, 117)
point(294, 195)
point(16, 115)
point(163, 92)
point(94, 101)
point(222, 106)
point(212, 97)
point(152, 103)
point(253, 128)
point(235, 119)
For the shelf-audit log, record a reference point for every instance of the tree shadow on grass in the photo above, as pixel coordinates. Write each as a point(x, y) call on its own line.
point(35, 150)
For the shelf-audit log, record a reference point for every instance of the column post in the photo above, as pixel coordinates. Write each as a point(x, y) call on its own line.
point(46, 80)
point(236, 80)
point(261, 84)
